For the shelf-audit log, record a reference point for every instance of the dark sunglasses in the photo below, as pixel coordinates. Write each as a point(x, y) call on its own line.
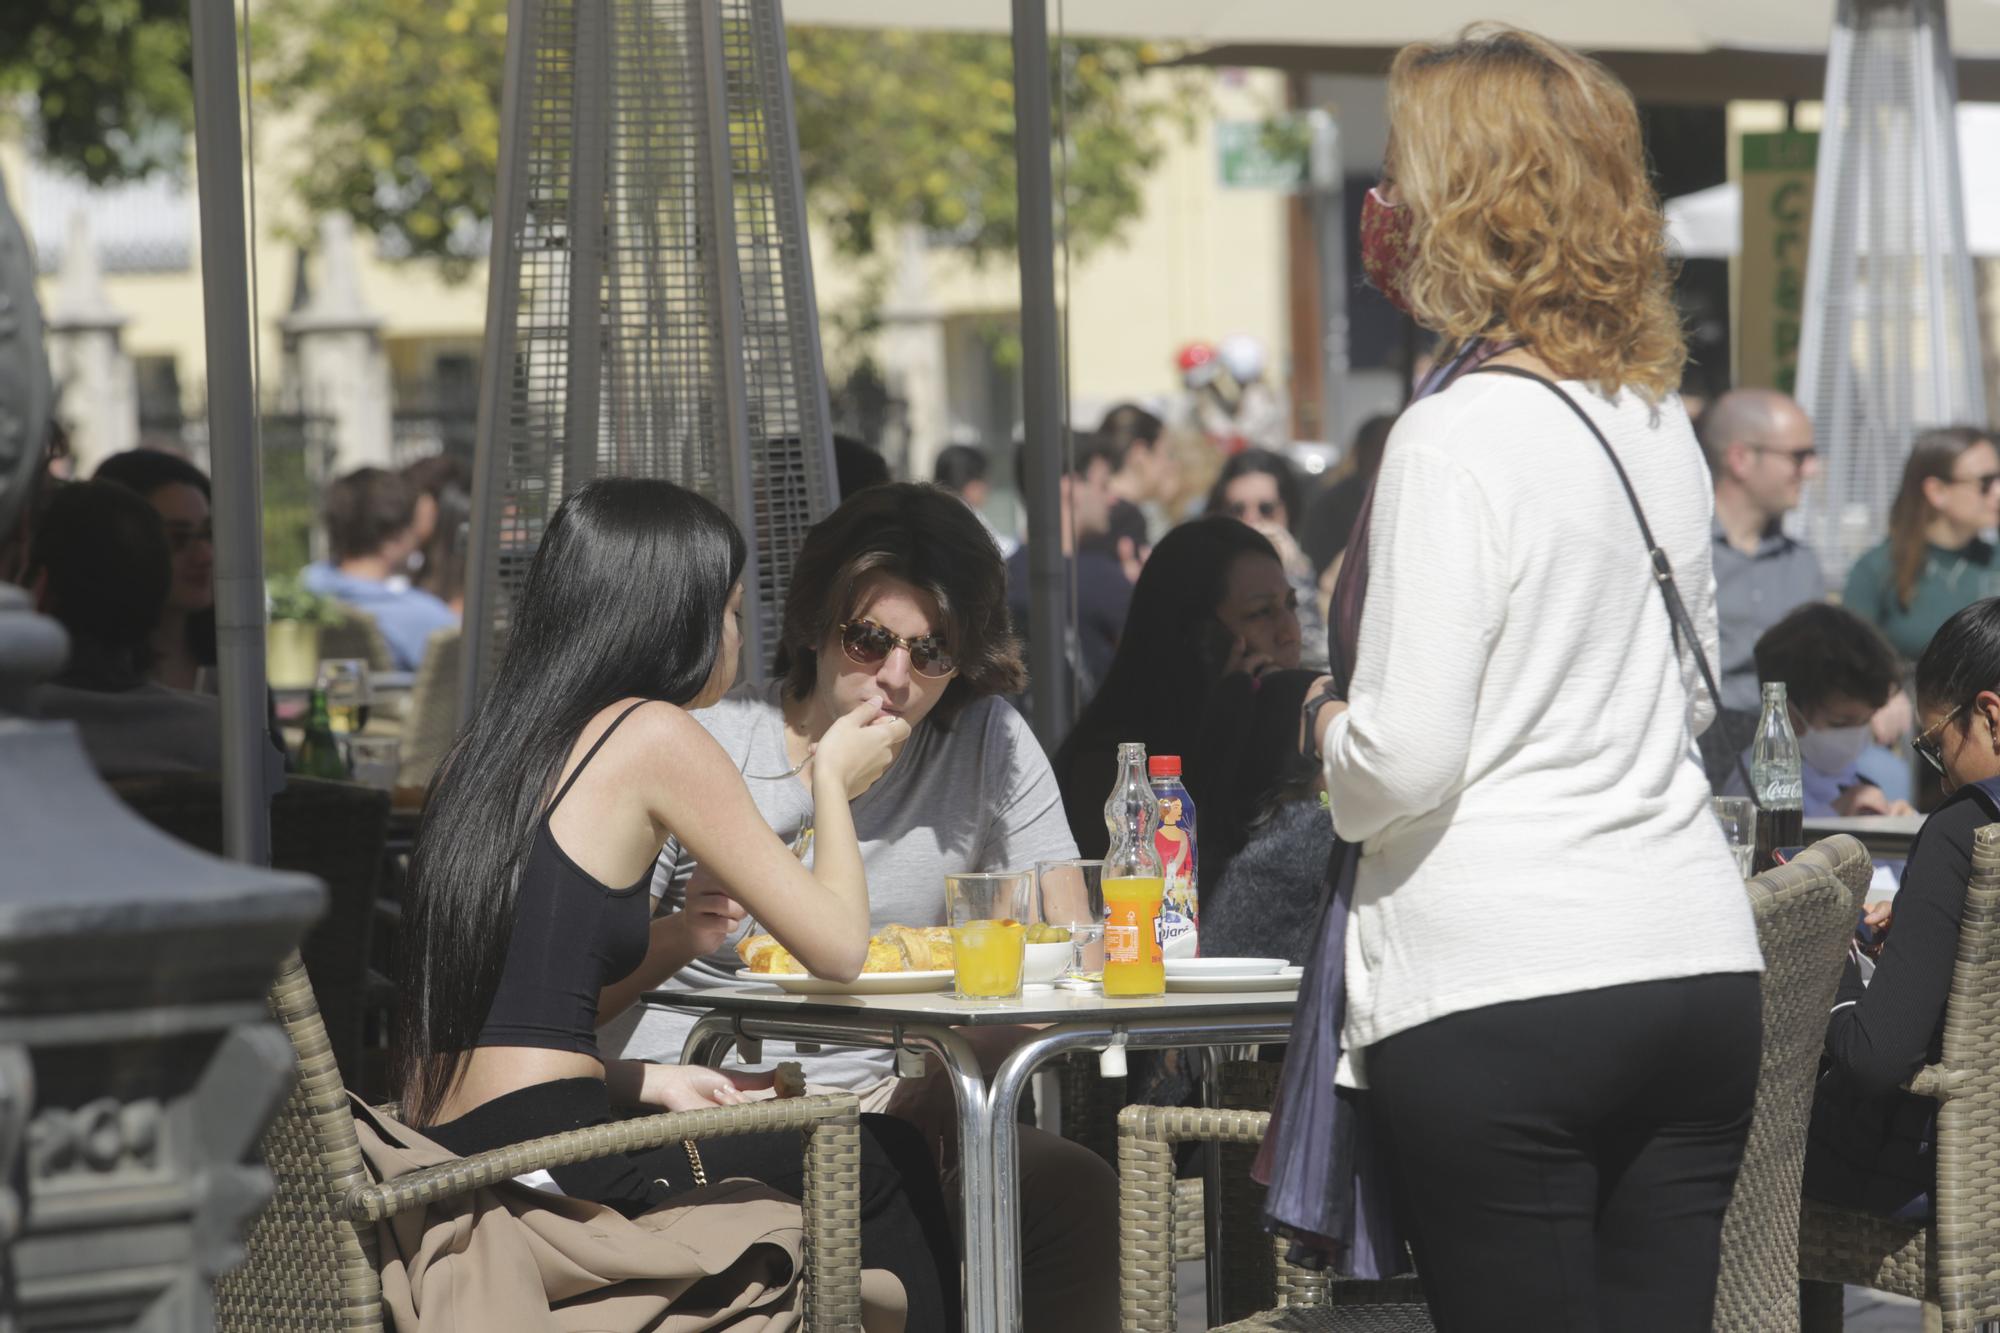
point(1931, 744)
point(868, 644)
point(1985, 481)
point(1266, 509)
point(1796, 458)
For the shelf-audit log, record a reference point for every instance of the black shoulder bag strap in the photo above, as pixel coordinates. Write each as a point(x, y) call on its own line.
point(1678, 620)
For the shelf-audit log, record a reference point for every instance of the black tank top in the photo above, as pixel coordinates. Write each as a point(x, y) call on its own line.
point(572, 938)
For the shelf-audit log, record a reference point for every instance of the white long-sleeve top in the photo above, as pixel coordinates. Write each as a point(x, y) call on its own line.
point(1517, 760)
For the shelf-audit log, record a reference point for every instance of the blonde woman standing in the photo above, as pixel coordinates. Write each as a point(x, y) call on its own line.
point(1551, 988)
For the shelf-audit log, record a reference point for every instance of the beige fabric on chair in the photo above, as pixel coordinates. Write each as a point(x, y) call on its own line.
point(507, 1258)
point(315, 1254)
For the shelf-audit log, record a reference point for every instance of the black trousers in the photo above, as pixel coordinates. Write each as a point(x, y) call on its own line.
point(1563, 1164)
point(905, 1226)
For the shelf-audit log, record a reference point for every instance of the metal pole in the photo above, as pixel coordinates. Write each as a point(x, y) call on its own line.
point(590, 132)
point(726, 305)
point(233, 461)
point(1041, 377)
point(1327, 207)
point(492, 431)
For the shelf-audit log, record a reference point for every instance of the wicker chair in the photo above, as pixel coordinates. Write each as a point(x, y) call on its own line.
point(332, 830)
point(1150, 1224)
point(431, 722)
point(1805, 915)
point(1954, 1261)
point(313, 1262)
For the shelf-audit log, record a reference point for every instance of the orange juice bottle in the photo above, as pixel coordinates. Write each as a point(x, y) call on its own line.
point(1132, 964)
point(1134, 886)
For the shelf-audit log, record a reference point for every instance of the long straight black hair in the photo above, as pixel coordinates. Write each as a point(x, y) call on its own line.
point(625, 599)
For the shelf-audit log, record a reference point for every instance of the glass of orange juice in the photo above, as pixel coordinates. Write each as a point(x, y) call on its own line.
point(989, 932)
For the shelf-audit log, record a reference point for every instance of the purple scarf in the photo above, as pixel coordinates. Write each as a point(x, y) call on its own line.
point(1328, 1191)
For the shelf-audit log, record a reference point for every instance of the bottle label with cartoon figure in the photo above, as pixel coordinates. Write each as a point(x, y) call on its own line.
point(1175, 846)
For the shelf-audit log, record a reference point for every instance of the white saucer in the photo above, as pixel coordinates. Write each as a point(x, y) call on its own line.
point(1218, 967)
point(1215, 984)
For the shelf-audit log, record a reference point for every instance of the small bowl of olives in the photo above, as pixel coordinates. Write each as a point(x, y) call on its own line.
point(1048, 953)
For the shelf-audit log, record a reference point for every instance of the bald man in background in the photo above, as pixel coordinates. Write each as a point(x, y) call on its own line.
point(1759, 446)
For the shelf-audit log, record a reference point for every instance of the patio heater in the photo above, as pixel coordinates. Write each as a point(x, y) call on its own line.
point(1890, 343)
point(650, 308)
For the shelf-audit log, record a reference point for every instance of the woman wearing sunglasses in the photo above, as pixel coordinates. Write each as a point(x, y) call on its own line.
point(1870, 1145)
point(1262, 488)
point(1933, 561)
point(528, 911)
point(898, 601)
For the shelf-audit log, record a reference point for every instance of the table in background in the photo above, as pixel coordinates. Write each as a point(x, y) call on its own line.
point(1887, 837)
point(989, 1144)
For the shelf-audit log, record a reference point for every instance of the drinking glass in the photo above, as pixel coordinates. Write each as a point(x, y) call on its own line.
point(375, 760)
point(989, 934)
point(1738, 817)
point(1072, 894)
point(345, 680)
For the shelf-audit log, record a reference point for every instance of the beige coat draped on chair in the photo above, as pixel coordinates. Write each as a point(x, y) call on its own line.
point(510, 1259)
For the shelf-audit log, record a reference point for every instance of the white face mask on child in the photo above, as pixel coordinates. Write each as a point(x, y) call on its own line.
point(1833, 750)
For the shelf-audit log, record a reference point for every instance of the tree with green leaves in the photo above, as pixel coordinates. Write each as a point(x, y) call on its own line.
point(398, 104)
point(108, 81)
point(894, 127)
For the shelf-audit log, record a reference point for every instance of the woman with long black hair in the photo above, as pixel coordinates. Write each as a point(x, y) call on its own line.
point(1212, 599)
point(528, 899)
point(184, 640)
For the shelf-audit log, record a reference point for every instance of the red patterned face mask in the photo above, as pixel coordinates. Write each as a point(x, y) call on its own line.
point(1385, 246)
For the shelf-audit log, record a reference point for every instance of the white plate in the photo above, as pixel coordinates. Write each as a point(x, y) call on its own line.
point(1284, 979)
point(868, 983)
point(1233, 967)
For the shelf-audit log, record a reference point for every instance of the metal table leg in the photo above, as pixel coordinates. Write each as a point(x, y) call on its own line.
point(708, 1042)
point(1211, 1185)
point(978, 1185)
point(1005, 1098)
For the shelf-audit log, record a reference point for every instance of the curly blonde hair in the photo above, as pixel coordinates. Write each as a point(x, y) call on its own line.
point(1533, 216)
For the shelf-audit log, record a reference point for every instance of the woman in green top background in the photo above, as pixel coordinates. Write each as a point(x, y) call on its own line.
point(1933, 562)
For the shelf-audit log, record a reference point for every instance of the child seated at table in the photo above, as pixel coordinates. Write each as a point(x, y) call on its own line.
point(1837, 672)
point(1870, 1146)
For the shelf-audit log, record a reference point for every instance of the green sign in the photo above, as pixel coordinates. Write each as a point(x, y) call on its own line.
point(1274, 154)
point(1777, 182)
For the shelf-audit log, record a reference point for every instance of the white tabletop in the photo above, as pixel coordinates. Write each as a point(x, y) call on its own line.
point(1861, 826)
point(1034, 1006)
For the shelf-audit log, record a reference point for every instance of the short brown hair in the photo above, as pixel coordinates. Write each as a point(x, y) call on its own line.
point(365, 508)
point(929, 539)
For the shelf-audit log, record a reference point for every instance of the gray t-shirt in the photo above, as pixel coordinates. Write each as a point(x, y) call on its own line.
point(977, 794)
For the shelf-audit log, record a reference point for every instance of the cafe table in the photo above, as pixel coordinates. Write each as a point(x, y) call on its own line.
point(1887, 837)
point(933, 1024)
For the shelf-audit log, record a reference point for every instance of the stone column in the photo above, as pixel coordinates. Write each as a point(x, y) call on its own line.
point(137, 1063)
point(96, 386)
point(343, 373)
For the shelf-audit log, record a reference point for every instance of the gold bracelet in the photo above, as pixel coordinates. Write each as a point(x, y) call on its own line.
point(694, 1160)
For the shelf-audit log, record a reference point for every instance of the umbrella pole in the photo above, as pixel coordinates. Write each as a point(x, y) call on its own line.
point(1042, 409)
point(233, 462)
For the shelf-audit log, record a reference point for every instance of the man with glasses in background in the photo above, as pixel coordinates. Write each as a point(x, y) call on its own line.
point(1759, 447)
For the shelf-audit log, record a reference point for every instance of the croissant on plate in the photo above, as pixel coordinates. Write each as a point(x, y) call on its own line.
point(891, 949)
